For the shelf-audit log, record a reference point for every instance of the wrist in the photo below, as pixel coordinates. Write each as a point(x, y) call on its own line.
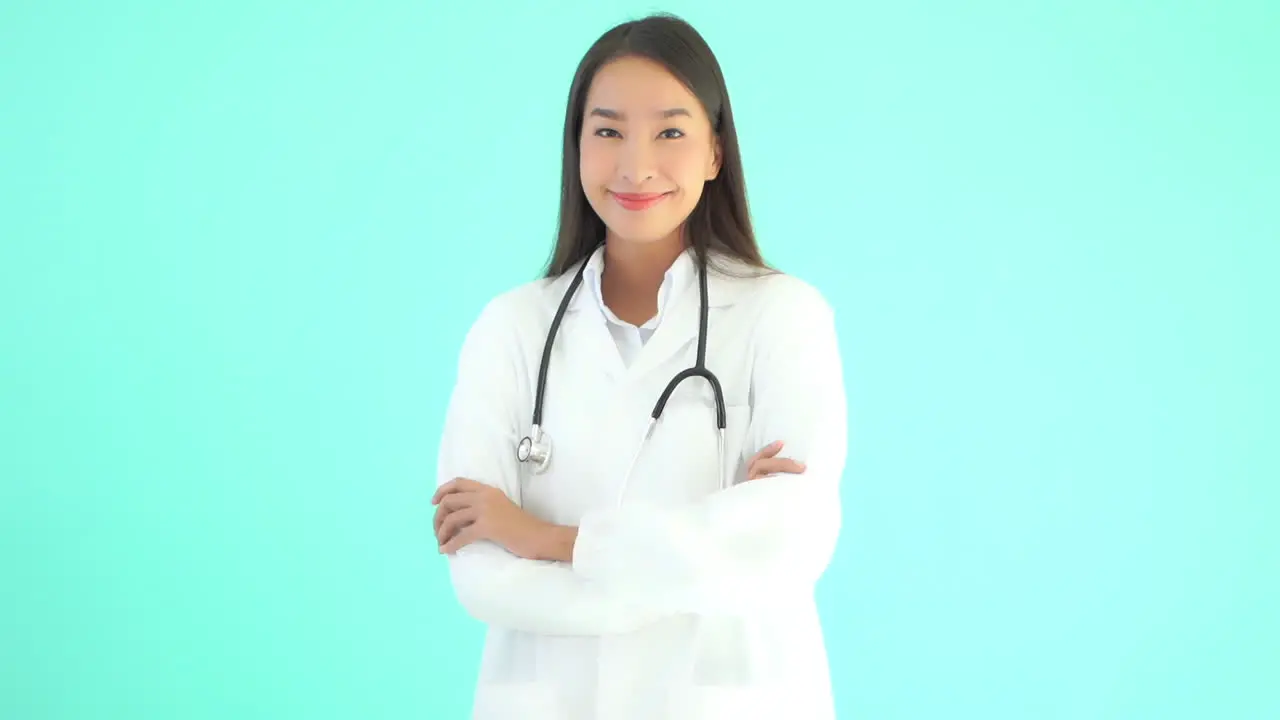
point(557, 543)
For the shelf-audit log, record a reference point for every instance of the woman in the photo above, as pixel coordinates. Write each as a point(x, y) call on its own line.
point(627, 578)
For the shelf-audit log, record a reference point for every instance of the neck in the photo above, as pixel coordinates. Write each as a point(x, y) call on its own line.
point(633, 273)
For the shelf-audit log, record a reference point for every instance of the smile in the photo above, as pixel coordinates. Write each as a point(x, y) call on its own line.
point(638, 201)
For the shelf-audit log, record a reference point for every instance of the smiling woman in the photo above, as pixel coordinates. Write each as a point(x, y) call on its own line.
point(658, 566)
point(636, 157)
point(649, 115)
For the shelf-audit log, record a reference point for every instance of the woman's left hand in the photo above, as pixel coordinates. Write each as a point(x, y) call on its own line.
point(467, 511)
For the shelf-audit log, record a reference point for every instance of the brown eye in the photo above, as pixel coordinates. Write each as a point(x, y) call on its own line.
point(677, 131)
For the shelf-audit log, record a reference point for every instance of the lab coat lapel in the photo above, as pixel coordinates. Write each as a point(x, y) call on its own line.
point(582, 322)
point(678, 329)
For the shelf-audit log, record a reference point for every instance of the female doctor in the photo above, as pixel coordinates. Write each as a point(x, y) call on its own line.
point(630, 567)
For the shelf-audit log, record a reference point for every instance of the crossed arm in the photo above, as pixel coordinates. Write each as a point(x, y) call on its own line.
point(624, 567)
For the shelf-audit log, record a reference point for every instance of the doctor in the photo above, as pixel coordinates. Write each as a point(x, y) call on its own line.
point(629, 568)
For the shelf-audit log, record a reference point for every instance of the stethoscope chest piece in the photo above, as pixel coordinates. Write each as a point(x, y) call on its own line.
point(536, 449)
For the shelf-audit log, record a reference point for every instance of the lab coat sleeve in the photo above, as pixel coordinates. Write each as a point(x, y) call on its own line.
point(480, 433)
point(759, 540)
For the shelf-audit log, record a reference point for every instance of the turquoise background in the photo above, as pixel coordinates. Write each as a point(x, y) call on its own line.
point(240, 244)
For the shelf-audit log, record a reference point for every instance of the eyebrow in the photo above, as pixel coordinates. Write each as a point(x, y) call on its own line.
point(615, 115)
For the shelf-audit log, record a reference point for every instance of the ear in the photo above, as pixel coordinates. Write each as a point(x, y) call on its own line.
point(717, 159)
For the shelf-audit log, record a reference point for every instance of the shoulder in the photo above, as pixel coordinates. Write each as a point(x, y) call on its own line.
point(787, 294)
point(776, 296)
point(793, 330)
point(767, 288)
point(507, 317)
point(511, 306)
point(785, 316)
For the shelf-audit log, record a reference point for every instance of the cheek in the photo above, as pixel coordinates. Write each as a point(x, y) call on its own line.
point(692, 169)
point(690, 174)
point(595, 167)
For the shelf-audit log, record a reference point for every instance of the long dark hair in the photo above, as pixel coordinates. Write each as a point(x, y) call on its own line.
point(721, 220)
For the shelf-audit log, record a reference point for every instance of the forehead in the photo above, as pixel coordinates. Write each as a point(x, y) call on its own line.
point(639, 85)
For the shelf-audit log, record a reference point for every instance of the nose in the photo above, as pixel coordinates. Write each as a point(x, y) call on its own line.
point(636, 163)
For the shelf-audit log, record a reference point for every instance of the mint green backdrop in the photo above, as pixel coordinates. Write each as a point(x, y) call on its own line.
point(240, 244)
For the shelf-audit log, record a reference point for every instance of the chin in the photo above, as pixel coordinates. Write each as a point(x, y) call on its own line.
point(641, 233)
point(638, 228)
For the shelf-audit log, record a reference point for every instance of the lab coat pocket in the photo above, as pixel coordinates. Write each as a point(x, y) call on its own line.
point(517, 701)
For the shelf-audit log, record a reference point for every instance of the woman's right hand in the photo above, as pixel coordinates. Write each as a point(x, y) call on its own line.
point(766, 463)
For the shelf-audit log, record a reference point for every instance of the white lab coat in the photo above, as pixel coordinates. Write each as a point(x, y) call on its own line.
point(690, 597)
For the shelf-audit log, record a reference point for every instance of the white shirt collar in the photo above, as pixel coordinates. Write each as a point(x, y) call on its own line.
point(674, 281)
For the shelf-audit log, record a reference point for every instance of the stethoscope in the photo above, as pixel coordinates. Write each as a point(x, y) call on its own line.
point(535, 447)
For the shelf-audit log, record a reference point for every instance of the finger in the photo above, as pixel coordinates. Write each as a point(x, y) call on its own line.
point(464, 538)
point(781, 465)
point(453, 486)
point(455, 522)
point(767, 451)
point(441, 491)
point(451, 502)
point(442, 511)
point(457, 501)
point(773, 466)
point(458, 484)
point(785, 465)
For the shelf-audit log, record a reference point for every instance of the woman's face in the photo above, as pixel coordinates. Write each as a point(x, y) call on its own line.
point(646, 150)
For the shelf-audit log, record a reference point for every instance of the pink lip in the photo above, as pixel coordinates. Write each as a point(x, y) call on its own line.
point(638, 201)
